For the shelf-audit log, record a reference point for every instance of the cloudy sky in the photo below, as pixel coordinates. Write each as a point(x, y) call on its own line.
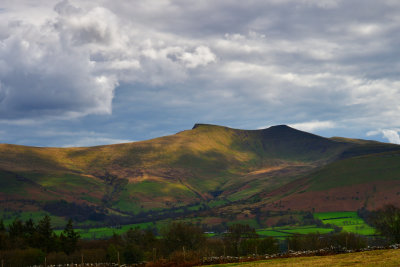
point(80, 73)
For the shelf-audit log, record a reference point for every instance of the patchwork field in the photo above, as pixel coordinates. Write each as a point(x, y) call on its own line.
point(349, 221)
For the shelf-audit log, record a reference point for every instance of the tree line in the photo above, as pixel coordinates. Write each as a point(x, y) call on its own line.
point(29, 243)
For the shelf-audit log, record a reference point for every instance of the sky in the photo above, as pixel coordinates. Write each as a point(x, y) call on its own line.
point(83, 73)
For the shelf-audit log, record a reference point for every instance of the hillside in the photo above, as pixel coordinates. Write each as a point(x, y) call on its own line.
point(363, 181)
point(208, 165)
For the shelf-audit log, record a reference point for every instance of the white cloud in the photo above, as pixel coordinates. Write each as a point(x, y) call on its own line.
point(392, 135)
point(202, 56)
point(313, 125)
point(70, 64)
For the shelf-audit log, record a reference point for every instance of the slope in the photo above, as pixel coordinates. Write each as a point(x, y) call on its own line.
point(367, 181)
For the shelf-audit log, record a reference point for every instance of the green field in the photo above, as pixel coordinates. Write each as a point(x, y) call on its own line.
point(286, 231)
point(348, 220)
point(105, 232)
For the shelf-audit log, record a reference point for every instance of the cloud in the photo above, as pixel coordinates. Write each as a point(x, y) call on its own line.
point(70, 65)
point(314, 65)
point(313, 125)
point(392, 135)
point(41, 75)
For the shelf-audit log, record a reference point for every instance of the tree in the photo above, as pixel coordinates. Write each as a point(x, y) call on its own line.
point(145, 239)
point(3, 236)
point(112, 253)
point(45, 237)
point(2, 227)
point(16, 229)
point(179, 236)
point(268, 245)
point(29, 232)
point(236, 234)
point(387, 222)
point(69, 239)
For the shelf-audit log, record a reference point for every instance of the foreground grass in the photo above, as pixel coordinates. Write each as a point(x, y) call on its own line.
point(368, 258)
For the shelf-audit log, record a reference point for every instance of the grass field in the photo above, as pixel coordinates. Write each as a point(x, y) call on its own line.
point(285, 231)
point(369, 258)
point(104, 232)
point(348, 220)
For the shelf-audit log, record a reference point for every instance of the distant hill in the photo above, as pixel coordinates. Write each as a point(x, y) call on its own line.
point(207, 167)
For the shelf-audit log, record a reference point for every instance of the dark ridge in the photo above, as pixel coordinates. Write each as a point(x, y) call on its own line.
point(281, 126)
point(284, 132)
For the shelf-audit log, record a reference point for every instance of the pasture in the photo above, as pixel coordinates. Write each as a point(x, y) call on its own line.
point(348, 220)
point(286, 231)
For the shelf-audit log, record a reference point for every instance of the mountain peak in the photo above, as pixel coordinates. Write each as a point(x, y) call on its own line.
point(281, 126)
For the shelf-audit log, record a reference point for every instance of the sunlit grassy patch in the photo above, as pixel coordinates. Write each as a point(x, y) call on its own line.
point(285, 231)
point(348, 220)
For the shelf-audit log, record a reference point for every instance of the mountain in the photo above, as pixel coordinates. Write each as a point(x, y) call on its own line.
point(207, 167)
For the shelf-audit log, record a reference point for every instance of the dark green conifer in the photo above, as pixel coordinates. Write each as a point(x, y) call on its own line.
point(2, 227)
point(69, 238)
point(45, 238)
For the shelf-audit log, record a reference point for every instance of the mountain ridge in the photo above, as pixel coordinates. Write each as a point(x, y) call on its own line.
point(207, 164)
